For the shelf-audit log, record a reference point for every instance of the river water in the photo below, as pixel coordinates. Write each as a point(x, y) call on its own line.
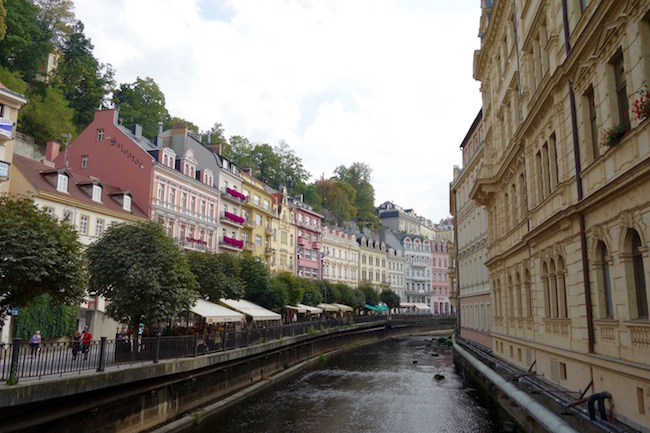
point(388, 387)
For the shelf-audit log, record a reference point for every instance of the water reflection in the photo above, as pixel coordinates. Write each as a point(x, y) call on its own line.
point(388, 387)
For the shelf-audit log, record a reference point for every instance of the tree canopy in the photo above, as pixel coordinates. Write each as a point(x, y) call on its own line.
point(390, 298)
point(142, 272)
point(142, 102)
point(359, 176)
point(218, 275)
point(38, 255)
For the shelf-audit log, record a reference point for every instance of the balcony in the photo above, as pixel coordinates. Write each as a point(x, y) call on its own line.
point(268, 251)
point(6, 130)
point(231, 243)
point(232, 195)
point(249, 224)
point(232, 219)
point(268, 231)
point(249, 246)
point(317, 245)
point(193, 244)
point(303, 242)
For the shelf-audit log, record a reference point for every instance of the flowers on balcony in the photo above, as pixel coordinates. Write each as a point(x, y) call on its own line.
point(236, 194)
point(233, 242)
point(234, 217)
point(614, 134)
point(642, 103)
point(196, 241)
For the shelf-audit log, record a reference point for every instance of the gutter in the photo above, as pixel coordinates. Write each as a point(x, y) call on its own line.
point(546, 418)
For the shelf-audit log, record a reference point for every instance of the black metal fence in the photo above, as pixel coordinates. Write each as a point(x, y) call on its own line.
point(21, 360)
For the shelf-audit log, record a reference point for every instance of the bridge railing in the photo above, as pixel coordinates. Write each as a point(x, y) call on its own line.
point(20, 360)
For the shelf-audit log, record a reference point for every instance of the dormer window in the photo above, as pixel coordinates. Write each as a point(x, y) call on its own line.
point(126, 203)
point(62, 183)
point(97, 193)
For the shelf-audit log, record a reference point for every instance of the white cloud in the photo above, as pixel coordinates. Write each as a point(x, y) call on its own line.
point(384, 82)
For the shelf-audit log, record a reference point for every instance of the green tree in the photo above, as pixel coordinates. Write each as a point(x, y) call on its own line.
point(3, 15)
point(38, 255)
point(347, 295)
point(85, 82)
point(142, 272)
point(338, 198)
point(257, 279)
point(215, 135)
point(239, 151)
point(26, 45)
point(52, 319)
point(47, 116)
point(142, 102)
point(359, 176)
point(56, 18)
point(312, 295)
point(218, 275)
point(390, 298)
point(291, 173)
point(372, 297)
point(293, 286)
point(311, 196)
point(174, 122)
point(360, 297)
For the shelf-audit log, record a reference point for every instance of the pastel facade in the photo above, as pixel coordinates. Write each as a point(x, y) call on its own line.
point(309, 243)
point(258, 214)
point(396, 271)
point(341, 256)
point(283, 242)
point(470, 250)
point(10, 104)
point(568, 215)
point(373, 257)
point(418, 257)
point(440, 278)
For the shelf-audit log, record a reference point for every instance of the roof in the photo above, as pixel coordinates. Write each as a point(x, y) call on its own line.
point(34, 170)
point(250, 309)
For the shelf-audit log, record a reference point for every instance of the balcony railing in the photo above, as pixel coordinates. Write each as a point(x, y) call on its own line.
point(232, 218)
point(317, 245)
point(193, 244)
point(231, 243)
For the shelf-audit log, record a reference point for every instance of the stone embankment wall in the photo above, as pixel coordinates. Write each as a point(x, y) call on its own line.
point(139, 398)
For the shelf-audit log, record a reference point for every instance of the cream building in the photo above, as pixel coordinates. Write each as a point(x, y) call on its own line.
point(567, 199)
point(258, 214)
point(10, 104)
point(372, 262)
point(283, 241)
point(470, 275)
point(341, 256)
point(395, 271)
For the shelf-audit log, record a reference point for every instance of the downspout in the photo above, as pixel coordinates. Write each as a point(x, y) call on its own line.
point(581, 217)
point(545, 417)
point(458, 313)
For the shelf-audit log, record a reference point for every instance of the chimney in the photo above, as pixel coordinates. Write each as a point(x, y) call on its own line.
point(137, 130)
point(160, 126)
point(216, 148)
point(52, 150)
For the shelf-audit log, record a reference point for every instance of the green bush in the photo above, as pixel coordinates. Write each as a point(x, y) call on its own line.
point(53, 320)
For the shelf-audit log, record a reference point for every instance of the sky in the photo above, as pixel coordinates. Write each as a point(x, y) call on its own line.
point(387, 83)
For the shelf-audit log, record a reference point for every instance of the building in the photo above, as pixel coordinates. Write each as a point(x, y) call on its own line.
point(170, 188)
point(470, 254)
point(309, 244)
point(341, 256)
point(373, 256)
point(418, 257)
point(440, 278)
point(10, 104)
point(283, 241)
point(396, 271)
point(565, 180)
point(258, 214)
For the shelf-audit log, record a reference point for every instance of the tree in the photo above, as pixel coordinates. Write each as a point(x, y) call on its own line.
point(359, 176)
point(293, 286)
point(38, 255)
point(142, 272)
point(372, 297)
point(257, 279)
point(347, 296)
point(85, 82)
point(56, 18)
point(312, 295)
point(338, 198)
point(47, 116)
point(142, 102)
point(239, 151)
point(52, 319)
point(26, 44)
point(179, 122)
point(291, 172)
point(3, 26)
point(214, 135)
point(390, 298)
point(218, 275)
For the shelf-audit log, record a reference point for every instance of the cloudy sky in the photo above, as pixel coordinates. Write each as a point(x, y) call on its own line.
point(384, 82)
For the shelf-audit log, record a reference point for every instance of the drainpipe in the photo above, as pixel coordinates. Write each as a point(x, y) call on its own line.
point(546, 418)
point(581, 217)
point(458, 313)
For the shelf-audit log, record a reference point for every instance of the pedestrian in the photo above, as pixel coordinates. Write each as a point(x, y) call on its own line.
point(85, 341)
point(35, 342)
point(76, 345)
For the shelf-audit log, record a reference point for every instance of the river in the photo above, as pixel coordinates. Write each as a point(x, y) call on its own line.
point(388, 387)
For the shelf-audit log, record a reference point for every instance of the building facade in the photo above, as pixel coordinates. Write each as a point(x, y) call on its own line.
point(373, 257)
point(418, 257)
point(341, 256)
point(565, 180)
point(396, 271)
point(470, 247)
point(10, 104)
point(258, 215)
point(440, 278)
point(284, 231)
point(309, 243)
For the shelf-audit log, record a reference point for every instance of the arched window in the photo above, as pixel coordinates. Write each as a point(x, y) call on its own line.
point(546, 288)
point(563, 308)
point(520, 295)
point(604, 282)
point(553, 291)
point(638, 298)
point(511, 303)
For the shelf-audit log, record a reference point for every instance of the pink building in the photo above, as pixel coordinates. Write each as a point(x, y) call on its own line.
point(309, 244)
point(171, 189)
point(440, 278)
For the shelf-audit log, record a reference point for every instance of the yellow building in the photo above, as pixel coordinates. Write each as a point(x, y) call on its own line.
point(566, 184)
point(10, 104)
point(283, 241)
point(258, 214)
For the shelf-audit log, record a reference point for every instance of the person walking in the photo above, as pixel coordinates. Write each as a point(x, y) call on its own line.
point(35, 343)
point(85, 342)
point(76, 345)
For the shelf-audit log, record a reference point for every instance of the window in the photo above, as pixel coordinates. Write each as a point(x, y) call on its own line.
point(258, 219)
point(604, 282)
point(621, 89)
point(256, 200)
point(638, 297)
point(83, 225)
point(68, 216)
point(62, 183)
point(593, 122)
point(100, 135)
point(97, 193)
point(84, 161)
point(99, 227)
point(258, 240)
point(266, 204)
point(308, 254)
point(126, 203)
point(49, 211)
